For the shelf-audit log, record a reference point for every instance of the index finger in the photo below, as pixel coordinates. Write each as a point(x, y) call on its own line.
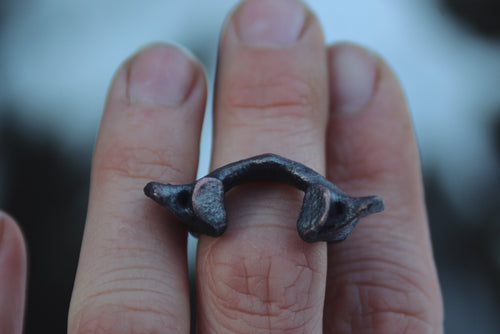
point(132, 274)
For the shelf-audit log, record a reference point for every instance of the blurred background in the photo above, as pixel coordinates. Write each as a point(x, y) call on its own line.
point(57, 59)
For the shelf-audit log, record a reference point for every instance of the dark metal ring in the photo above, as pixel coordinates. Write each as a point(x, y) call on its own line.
point(327, 213)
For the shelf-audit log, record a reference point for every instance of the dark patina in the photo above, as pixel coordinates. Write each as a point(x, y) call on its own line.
point(327, 213)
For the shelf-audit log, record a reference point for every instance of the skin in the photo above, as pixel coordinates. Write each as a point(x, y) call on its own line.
point(283, 92)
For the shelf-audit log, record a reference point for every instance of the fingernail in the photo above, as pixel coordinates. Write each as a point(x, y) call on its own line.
point(161, 74)
point(352, 78)
point(270, 22)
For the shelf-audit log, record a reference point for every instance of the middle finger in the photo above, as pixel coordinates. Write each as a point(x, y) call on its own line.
point(271, 96)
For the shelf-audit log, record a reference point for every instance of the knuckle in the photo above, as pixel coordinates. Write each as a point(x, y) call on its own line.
point(122, 318)
point(255, 291)
point(137, 162)
point(128, 299)
point(371, 162)
point(374, 159)
point(282, 96)
point(382, 302)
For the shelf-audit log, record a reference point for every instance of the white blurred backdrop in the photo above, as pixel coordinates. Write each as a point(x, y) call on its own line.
point(58, 57)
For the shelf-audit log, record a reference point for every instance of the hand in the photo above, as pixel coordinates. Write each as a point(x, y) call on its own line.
point(338, 110)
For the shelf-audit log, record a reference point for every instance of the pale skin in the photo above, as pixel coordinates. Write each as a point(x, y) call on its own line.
point(279, 89)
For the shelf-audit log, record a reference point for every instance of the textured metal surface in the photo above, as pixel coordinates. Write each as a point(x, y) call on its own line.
point(327, 213)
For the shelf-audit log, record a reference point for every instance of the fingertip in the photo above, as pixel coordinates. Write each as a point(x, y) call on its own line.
point(353, 74)
point(270, 23)
point(371, 136)
point(159, 74)
point(155, 105)
point(362, 81)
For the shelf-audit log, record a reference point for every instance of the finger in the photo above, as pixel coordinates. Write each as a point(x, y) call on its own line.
point(382, 279)
point(271, 96)
point(12, 276)
point(132, 275)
